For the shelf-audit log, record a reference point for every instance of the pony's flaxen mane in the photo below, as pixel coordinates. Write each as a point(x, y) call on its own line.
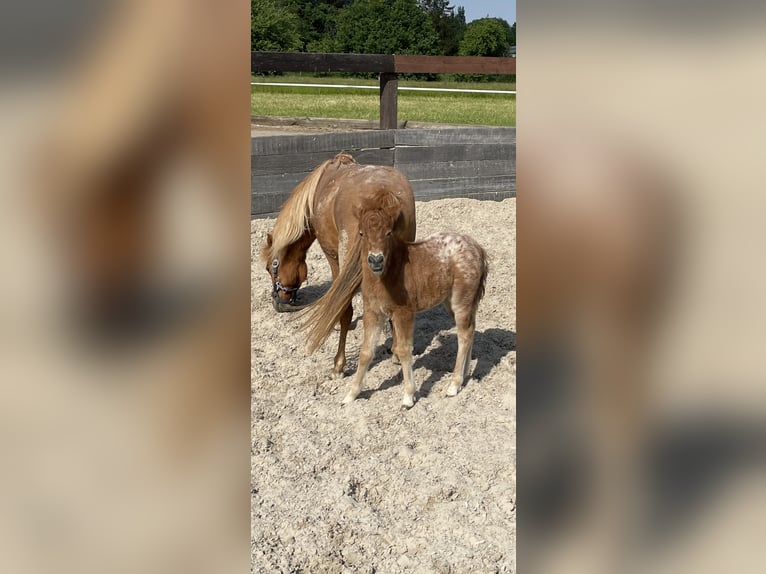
point(293, 220)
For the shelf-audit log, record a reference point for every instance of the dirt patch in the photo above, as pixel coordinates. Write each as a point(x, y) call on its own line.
point(369, 487)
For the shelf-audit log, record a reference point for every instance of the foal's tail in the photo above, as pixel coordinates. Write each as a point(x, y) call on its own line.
point(322, 315)
point(484, 261)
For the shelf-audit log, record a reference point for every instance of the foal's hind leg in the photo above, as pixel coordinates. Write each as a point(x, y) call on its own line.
point(466, 325)
point(394, 356)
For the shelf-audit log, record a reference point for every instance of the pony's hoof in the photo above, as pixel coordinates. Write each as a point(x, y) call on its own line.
point(408, 402)
point(395, 360)
point(452, 390)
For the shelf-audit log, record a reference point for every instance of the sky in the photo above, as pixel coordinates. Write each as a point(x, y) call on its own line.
point(475, 9)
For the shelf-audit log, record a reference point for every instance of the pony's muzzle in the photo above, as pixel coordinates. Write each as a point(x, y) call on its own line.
point(376, 260)
point(281, 306)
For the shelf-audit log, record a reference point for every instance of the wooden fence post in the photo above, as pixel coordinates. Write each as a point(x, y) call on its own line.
point(388, 100)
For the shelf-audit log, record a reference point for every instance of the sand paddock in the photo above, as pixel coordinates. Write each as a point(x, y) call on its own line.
point(370, 487)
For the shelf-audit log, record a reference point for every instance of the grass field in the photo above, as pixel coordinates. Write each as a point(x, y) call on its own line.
point(480, 109)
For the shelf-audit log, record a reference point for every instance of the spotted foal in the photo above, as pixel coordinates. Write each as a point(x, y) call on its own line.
point(400, 279)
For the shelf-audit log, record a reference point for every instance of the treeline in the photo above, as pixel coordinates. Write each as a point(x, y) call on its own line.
point(428, 27)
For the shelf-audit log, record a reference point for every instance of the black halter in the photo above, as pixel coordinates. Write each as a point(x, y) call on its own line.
point(293, 293)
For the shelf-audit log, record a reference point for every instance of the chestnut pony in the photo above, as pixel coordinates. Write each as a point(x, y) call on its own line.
point(322, 207)
point(401, 278)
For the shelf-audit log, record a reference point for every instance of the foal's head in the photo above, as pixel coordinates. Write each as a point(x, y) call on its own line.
point(376, 229)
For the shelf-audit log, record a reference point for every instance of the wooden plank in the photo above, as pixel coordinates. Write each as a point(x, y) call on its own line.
point(380, 63)
point(459, 187)
point(457, 152)
point(457, 169)
point(275, 183)
point(388, 101)
point(268, 205)
point(267, 202)
point(309, 143)
point(306, 162)
point(305, 62)
point(451, 136)
point(453, 64)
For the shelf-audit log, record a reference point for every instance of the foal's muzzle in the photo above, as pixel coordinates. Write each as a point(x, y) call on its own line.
point(375, 261)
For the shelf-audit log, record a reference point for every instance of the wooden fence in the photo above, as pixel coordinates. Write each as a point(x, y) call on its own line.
point(475, 162)
point(387, 65)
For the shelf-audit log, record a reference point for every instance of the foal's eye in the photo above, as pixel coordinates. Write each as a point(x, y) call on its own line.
point(388, 234)
point(360, 233)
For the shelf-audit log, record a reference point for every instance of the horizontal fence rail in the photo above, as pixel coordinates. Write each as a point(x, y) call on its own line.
point(379, 63)
point(387, 65)
point(477, 163)
point(400, 88)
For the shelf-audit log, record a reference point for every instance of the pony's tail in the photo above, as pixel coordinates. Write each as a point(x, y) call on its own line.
point(322, 315)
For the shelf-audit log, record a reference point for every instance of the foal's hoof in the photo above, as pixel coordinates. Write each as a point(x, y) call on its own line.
point(452, 390)
point(395, 360)
point(349, 398)
point(337, 375)
point(408, 402)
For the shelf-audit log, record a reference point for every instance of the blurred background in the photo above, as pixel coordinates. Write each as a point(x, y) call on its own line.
point(124, 298)
point(641, 427)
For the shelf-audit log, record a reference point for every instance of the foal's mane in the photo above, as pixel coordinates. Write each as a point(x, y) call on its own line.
point(293, 220)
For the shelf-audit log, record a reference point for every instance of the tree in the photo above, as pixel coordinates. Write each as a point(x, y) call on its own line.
point(448, 25)
point(273, 27)
point(486, 37)
point(317, 22)
point(385, 27)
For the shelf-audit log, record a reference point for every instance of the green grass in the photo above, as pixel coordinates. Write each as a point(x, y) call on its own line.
point(480, 109)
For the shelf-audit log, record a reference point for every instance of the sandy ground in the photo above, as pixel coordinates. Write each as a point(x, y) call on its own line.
point(370, 487)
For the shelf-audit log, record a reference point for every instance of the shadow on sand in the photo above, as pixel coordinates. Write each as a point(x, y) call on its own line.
point(489, 347)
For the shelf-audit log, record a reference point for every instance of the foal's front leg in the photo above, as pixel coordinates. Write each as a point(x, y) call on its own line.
point(404, 323)
point(373, 324)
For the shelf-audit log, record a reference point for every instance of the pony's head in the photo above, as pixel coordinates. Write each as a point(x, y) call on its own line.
point(378, 224)
point(287, 270)
point(284, 252)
